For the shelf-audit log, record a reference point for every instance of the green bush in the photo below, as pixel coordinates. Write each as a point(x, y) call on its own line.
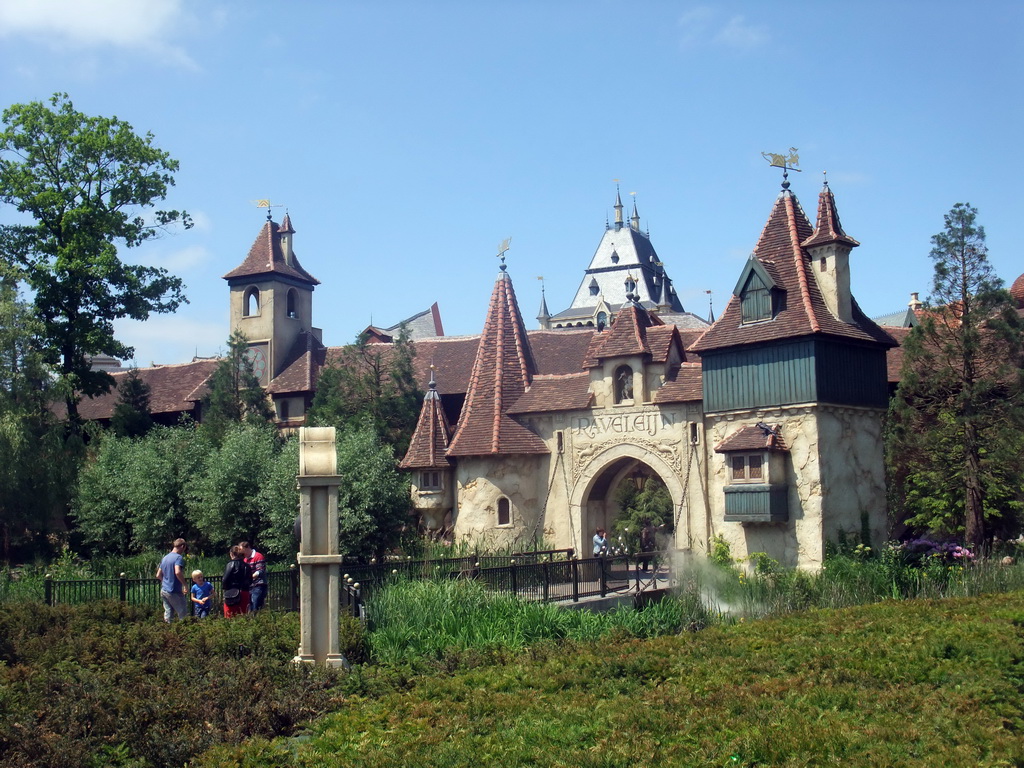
point(108, 683)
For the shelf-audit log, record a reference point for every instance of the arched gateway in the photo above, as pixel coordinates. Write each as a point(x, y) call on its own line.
point(592, 500)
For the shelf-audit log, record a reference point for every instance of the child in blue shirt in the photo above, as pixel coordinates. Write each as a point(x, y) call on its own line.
point(202, 595)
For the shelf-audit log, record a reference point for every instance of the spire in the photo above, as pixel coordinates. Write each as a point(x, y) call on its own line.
point(618, 209)
point(828, 230)
point(433, 433)
point(543, 315)
point(635, 220)
point(502, 372)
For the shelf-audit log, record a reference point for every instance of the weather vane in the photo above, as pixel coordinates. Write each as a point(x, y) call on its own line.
point(786, 163)
point(266, 204)
point(505, 245)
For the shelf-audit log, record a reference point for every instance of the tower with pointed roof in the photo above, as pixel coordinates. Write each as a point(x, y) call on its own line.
point(793, 356)
point(624, 250)
point(427, 457)
point(271, 299)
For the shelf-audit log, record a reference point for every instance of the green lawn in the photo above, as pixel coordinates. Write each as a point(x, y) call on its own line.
point(915, 683)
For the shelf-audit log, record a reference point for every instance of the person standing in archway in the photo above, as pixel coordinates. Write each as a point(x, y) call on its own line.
point(647, 544)
point(600, 542)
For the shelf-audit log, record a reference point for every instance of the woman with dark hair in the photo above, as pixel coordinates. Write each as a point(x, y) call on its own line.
point(235, 584)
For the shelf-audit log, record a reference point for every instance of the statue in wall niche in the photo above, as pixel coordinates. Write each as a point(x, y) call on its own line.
point(624, 385)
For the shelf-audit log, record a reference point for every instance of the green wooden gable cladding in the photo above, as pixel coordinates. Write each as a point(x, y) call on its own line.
point(805, 370)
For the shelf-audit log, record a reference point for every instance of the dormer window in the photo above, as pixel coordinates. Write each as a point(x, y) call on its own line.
point(594, 287)
point(756, 300)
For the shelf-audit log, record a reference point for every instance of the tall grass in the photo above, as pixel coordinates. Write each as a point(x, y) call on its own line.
point(435, 619)
point(431, 619)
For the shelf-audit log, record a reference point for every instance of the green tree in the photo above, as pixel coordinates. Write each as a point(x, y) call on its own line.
point(226, 503)
point(954, 441)
point(279, 503)
point(373, 498)
point(235, 395)
point(371, 383)
point(35, 473)
point(134, 494)
point(653, 502)
point(84, 183)
point(131, 416)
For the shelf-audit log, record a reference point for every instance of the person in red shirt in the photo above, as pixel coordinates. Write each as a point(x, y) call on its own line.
point(258, 568)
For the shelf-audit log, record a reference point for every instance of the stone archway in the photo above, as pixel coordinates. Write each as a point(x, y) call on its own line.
point(590, 503)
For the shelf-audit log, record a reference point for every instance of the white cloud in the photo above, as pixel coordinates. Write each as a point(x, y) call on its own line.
point(168, 339)
point(182, 259)
point(705, 25)
point(739, 34)
point(146, 26)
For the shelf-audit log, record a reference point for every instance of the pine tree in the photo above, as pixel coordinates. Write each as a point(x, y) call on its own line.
point(131, 416)
point(235, 395)
point(371, 384)
point(954, 434)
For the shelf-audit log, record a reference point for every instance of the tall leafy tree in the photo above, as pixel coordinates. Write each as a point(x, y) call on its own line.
point(373, 498)
point(371, 384)
point(35, 473)
point(955, 428)
point(134, 493)
point(235, 395)
point(131, 416)
point(225, 503)
point(83, 183)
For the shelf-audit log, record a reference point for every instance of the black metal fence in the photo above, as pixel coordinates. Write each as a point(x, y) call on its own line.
point(554, 576)
point(282, 591)
point(546, 576)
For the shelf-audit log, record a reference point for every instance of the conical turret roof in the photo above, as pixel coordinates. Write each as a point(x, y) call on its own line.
point(502, 371)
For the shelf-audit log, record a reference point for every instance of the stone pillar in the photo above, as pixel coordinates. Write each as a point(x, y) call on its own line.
point(319, 560)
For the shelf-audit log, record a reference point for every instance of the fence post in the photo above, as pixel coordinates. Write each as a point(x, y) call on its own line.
point(544, 573)
point(48, 589)
point(604, 575)
point(575, 578)
point(122, 585)
point(515, 582)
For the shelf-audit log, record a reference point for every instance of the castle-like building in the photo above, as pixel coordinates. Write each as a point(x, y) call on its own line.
point(764, 427)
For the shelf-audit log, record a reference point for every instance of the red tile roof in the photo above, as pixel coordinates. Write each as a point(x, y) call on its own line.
point(565, 392)
point(267, 257)
point(828, 229)
point(431, 439)
point(627, 335)
point(301, 368)
point(803, 311)
point(502, 371)
point(752, 438)
point(686, 387)
point(170, 387)
point(554, 352)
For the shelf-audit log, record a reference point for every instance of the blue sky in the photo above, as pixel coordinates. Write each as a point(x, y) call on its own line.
point(408, 139)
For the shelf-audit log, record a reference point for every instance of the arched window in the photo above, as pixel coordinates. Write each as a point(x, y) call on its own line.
point(291, 303)
point(602, 320)
point(251, 302)
point(504, 511)
point(623, 384)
